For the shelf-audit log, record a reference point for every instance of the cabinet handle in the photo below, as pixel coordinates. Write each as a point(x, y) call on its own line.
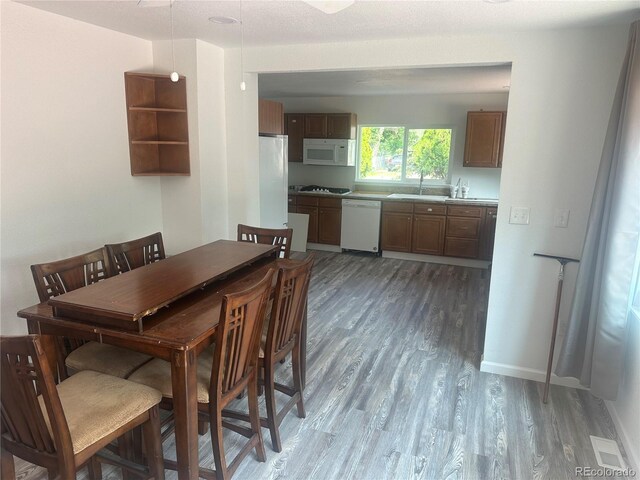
point(494, 216)
point(429, 209)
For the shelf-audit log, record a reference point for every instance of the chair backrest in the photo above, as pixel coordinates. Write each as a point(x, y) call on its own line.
point(269, 236)
point(28, 393)
point(55, 278)
point(288, 305)
point(135, 253)
point(237, 338)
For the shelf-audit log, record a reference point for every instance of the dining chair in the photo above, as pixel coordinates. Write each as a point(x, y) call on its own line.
point(62, 276)
point(62, 427)
point(224, 370)
point(282, 337)
point(136, 253)
point(269, 236)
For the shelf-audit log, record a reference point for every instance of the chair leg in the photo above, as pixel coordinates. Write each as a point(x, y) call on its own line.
point(272, 412)
point(52, 474)
point(8, 468)
point(94, 468)
point(203, 427)
point(297, 379)
point(125, 450)
point(153, 444)
point(217, 443)
point(254, 416)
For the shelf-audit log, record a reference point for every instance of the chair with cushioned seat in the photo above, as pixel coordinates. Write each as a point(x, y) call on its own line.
point(63, 427)
point(62, 276)
point(224, 370)
point(269, 236)
point(137, 253)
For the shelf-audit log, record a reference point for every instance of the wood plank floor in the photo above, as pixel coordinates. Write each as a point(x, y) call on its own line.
point(394, 389)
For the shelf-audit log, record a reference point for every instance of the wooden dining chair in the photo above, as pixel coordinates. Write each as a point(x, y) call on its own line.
point(62, 276)
point(282, 337)
point(269, 236)
point(135, 253)
point(62, 427)
point(224, 371)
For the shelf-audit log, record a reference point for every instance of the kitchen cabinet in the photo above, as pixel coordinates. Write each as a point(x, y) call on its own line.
point(325, 217)
point(484, 139)
point(329, 220)
point(396, 226)
point(157, 122)
point(270, 117)
point(463, 231)
point(429, 223)
point(341, 125)
point(487, 238)
point(315, 125)
point(294, 129)
point(330, 125)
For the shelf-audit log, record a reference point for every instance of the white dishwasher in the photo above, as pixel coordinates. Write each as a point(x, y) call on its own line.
point(360, 225)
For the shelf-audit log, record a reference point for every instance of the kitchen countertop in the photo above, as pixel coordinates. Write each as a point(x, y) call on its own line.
point(484, 202)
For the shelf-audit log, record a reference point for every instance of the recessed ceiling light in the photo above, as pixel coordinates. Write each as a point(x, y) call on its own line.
point(330, 6)
point(224, 20)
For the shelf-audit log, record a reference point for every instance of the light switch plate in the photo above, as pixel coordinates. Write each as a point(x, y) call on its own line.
point(561, 218)
point(519, 215)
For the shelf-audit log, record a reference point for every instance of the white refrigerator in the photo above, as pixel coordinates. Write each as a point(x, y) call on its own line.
point(274, 182)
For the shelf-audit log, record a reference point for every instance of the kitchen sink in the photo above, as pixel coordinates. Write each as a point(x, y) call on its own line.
point(413, 196)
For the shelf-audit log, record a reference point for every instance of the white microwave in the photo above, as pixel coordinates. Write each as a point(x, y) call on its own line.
point(337, 153)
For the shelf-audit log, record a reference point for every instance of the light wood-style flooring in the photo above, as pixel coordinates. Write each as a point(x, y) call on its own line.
point(394, 389)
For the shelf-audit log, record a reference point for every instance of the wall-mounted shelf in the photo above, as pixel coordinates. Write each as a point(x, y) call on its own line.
point(158, 128)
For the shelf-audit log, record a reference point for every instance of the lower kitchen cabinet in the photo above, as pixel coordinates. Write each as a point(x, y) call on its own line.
point(325, 217)
point(488, 234)
point(312, 235)
point(396, 231)
point(329, 225)
point(428, 234)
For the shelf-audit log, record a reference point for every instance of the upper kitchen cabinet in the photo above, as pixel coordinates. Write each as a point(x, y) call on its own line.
point(294, 129)
point(270, 117)
point(158, 129)
point(484, 140)
point(315, 125)
point(330, 125)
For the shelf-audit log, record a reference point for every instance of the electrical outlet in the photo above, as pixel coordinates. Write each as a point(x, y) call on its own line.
point(519, 215)
point(561, 218)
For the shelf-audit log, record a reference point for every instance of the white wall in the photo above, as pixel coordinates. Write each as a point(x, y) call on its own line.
point(194, 208)
point(562, 87)
point(416, 111)
point(66, 185)
point(624, 410)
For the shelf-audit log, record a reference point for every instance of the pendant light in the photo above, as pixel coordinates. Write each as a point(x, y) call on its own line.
point(174, 75)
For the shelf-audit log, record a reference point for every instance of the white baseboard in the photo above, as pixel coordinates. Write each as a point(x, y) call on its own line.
point(324, 248)
point(528, 374)
point(416, 257)
point(624, 436)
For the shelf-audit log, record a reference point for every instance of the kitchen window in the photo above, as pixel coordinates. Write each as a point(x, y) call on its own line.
point(397, 154)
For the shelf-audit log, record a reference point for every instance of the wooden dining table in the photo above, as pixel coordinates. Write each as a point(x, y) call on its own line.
point(169, 310)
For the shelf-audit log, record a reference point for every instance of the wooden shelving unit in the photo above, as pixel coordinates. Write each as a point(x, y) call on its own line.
point(158, 128)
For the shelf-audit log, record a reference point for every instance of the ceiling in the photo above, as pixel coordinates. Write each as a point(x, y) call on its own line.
point(478, 79)
point(273, 22)
point(295, 22)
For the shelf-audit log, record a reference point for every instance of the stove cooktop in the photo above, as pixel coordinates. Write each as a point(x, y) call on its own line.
point(320, 189)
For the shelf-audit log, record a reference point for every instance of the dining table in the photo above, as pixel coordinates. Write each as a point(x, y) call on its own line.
point(167, 309)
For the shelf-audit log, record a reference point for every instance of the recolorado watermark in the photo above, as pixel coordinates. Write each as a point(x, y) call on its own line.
point(600, 472)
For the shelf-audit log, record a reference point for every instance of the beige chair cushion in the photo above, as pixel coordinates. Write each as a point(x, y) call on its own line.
point(96, 405)
point(99, 357)
point(157, 374)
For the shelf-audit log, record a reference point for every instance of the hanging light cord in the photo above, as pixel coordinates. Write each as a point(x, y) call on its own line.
point(173, 51)
point(242, 84)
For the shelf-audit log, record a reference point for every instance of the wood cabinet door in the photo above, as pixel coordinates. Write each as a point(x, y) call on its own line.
point(329, 225)
point(428, 234)
point(396, 231)
point(341, 125)
point(483, 139)
point(294, 128)
point(488, 236)
point(312, 234)
point(270, 117)
point(461, 247)
point(315, 125)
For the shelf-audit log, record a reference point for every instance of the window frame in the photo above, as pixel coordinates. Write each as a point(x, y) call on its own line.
point(404, 181)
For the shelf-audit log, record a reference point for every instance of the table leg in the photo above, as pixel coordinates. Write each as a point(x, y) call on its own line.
point(185, 410)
